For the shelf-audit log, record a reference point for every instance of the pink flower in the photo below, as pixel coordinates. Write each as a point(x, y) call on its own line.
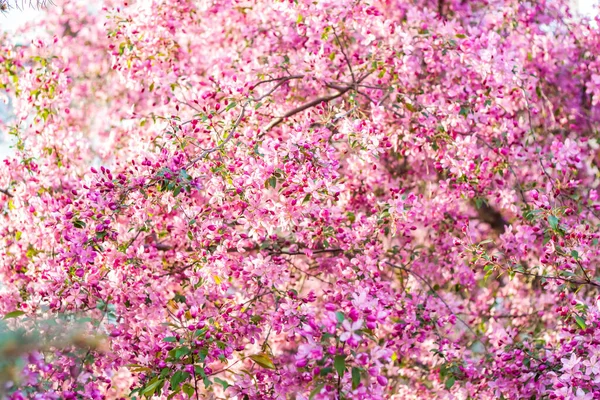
point(570, 364)
point(570, 368)
point(581, 395)
point(592, 365)
point(362, 300)
point(350, 335)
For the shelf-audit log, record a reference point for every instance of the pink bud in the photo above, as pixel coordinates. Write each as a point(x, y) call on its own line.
point(382, 380)
point(301, 363)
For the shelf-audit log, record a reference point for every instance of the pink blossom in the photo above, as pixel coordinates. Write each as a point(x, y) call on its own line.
point(350, 332)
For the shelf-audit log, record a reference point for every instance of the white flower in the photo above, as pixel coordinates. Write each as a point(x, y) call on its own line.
point(592, 365)
point(581, 395)
point(350, 333)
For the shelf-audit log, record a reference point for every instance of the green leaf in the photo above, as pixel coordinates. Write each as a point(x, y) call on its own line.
point(182, 351)
point(202, 354)
point(488, 274)
point(316, 390)
point(185, 176)
point(173, 394)
point(164, 372)
point(553, 221)
point(580, 321)
point(263, 360)
point(450, 383)
point(355, 377)
point(339, 316)
point(151, 388)
point(256, 150)
point(538, 91)
point(575, 254)
point(351, 217)
point(188, 389)
point(206, 382)
point(339, 362)
point(223, 383)
point(170, 339)
point(14, 314)
point(230, 106)
point(177, 378)
point(79, 224)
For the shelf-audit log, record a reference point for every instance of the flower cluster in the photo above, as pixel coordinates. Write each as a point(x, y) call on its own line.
point(302, 199)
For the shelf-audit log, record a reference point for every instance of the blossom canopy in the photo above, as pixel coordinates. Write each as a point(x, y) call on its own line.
point(267, 199)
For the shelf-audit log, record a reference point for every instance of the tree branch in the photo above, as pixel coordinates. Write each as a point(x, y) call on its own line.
point(325, 99)
point(280, 82)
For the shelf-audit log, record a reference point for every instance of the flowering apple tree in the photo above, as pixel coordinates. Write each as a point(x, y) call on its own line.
point(333, 199)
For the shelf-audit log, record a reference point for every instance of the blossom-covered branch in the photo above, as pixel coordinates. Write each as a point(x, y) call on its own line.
point(301, 199)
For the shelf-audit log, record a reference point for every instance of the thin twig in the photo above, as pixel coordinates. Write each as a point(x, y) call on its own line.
point(205, 153)
point(301, 253)
point(439, 297)
point(345, 57)
point(281, 82)
point(312, 103)
point(279, 79)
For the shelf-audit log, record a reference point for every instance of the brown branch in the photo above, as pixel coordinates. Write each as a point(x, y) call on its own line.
point(307, 273)
point(6, 192)
point(550, 277)
point(280, 82)
point(558, 278)
point(440, 9)
point(346, 58)
point(501, 316)
point(325, 99)
point(301, 253)
point(281, 78)
point(305, 106)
